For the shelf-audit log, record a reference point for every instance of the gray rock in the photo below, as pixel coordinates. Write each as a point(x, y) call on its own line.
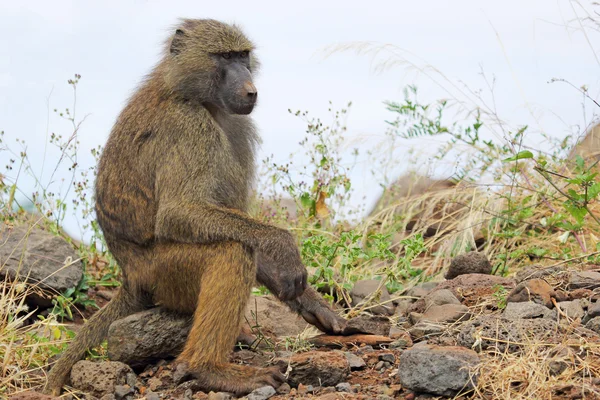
point(584, 280)
point(594, 325)
point(573, 309)
point(99, 378)
point(402, 306)
point(379, 303)
point(343, 387)
point(422, 289)
point(379, 365)
point(424, 329)
point(318, 368)
point(594, 310)
point(527, 310)
point(155, 396)
point(147, 336)
point(219, 396)
point(284, 388)
point(39, 257)
point(373, 325)
point(122, 391)
point(469, 263)
point(447, 313)
point(505, 334)
point(387, 357)
point(262, 393)
point(108, 397)
point(439, 298)
point(443, 371)
point(537, 272)
point(355, 362)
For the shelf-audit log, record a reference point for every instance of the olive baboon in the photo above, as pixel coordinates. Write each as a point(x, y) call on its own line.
point(171, 196)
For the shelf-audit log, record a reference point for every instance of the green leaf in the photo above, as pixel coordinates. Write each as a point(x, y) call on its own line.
point(519, 156)
point(577, 212)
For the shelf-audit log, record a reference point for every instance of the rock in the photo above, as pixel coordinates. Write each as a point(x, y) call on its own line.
point(273, 317)
point(474, 281)
point(38, 257)
point(594, 324)
point(439, 298)
point(505, 334)
point(536, 290)
point(424, 329)
point(373, 325)
point(122, 391)
point(262, 393)
point(368, 289)
point(447, 313)
point(443, 371)
point(108, 397)
point(284, 388)
point(387, 357)
point(318, 368)
point(537, 272)
point(422, 290)
point(31, 395)
point(219, 396)
point(594, 310)
point(402, 306)
point(573, 309)
point(335, 341)
point(99, 378)
point(584, 280)
point(469, 263)
point(147, 336)
point(343, 387)
point(155, 396)
point(355, 362)
point(527, 310)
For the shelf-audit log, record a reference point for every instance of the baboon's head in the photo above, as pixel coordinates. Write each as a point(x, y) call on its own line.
point(212, 62)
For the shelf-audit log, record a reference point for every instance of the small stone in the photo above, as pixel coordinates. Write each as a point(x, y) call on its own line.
point(219, 396)
point(402, 306)
point(318, 368)
point(536, 272)
point(155, 396)
point(284, 388)
point(469, 263)
point(122, 390)
point(584, 280)
point(326, 390)
point(355, 361)
point(376, 295)
point(594, 325)
point(373, 325)
point(535, 290)
point(594, 309)
point(573, 309)
point(99, 378)
point(304, 389)
point(439, 298)
point(154, 383)
point(336, 341)
point(262, 393)
point(422, 289)
point(131, 379)
point(442, 371)
point(343, 387)
point(109, 396)
point(527, 310)
point(181, 372)
point(424, 329)
point(447, 313)
point(401, 343)
point(389, 357)
point(379, 365)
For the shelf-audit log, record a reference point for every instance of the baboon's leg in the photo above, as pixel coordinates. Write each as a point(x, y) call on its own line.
point(216, 280)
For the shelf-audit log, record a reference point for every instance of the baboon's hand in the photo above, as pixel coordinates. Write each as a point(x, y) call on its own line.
point(282, 270)
point(317, 312)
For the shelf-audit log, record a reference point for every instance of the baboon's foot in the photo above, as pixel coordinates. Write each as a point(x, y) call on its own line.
point(238, 379)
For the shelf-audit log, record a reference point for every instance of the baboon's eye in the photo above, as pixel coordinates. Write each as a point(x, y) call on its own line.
point(226, 56)
point(244, 54)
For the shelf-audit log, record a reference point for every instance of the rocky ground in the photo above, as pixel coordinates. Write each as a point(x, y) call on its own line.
point(460, 337)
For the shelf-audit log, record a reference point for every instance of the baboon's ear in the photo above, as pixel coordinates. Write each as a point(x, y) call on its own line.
point(177, 42)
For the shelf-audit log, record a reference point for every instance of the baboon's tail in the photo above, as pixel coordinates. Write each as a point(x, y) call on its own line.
point(91, 334)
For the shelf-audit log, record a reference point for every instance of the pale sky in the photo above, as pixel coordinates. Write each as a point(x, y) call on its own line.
point(112, 44)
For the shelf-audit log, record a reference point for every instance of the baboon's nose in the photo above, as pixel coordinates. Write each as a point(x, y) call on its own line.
point(250, 90)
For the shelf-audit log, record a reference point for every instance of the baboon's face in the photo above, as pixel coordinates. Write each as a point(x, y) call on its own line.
point(236, 93)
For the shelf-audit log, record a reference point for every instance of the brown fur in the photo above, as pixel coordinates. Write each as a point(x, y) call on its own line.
point(171, 197)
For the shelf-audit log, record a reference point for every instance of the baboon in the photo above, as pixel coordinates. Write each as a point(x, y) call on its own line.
point(172, 190)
